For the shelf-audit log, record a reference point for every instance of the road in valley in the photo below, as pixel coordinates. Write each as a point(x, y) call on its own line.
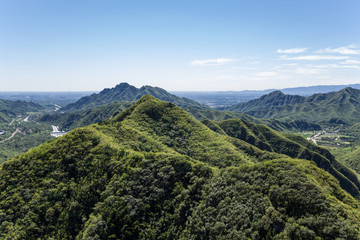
point(12, 135)
point(11, 122)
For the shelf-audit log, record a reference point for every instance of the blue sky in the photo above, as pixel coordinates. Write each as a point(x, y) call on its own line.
point(74, 45)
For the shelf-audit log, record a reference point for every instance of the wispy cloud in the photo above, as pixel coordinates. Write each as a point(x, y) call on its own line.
point(344, 66)
point(347, 50)
point(292, 50)
point(349, 61)
point(266, 74)
point(314, 57)
point(309, 71)
point(224, 77)
point(215, 61)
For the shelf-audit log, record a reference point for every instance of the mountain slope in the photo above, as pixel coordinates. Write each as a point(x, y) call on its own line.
point(125, 92)
point(217, 115)
point(10, 109)
point(290, 145)
point(81, 118)
point(229, 98)
point(343, 105)
point(154, 172)
point(240, 129)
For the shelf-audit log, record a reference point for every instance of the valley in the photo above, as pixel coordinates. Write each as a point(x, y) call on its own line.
point(330, 138)
point(20, 136)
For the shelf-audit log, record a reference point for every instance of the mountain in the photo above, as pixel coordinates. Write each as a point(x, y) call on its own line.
point(343, 105)
point(81, 118)
point(125, 92)
point(10, 109)
point(266, 102)
point(307, 91)
point(216, 99)
point(294, 125)
point(154, 172)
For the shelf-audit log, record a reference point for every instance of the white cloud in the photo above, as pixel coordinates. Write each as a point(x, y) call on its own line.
point(314, 57)
point(292, 50)
point(348, 50)
point(350, 62)
point(224, 77)
point(215, 61)
point(337, 66)
point(309, 71)
point(266, 74)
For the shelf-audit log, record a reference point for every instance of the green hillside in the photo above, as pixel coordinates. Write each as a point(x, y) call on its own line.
point(217, 115)
point(81, 118)
point(154, 172)
point(293, 146)
point(343, 105)
point(349, 156)
point(10, 109)
point(125, 92)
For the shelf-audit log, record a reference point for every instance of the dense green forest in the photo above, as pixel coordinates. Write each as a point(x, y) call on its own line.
point(321, 108)
point(155, 172)
point(18, 133)
point(27, 135)
point(81, 118)
point(228, 98)
point(126, 92)
point(217, 115)
point(10, 109)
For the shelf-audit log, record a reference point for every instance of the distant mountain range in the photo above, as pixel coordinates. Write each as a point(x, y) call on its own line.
point(126, 92)
point(155, 172)
point(278, 110)
point(305, 91)
point(228, 98)
point(341, 106)
point(83, 117)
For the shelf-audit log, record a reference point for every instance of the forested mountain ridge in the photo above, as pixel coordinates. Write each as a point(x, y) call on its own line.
point(155, 172)
point(323, 159)
point(10, 109)
point(276, 98)
point(126, 92)
point(291, 145)
point(217, 115)
point(322, 107)
point(80, 118)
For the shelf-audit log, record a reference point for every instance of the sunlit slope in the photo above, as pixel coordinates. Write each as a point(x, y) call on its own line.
point(290, 145)
point(155, 172)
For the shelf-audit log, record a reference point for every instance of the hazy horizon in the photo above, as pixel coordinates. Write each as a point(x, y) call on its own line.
point(57, 46)
point(174, 91)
